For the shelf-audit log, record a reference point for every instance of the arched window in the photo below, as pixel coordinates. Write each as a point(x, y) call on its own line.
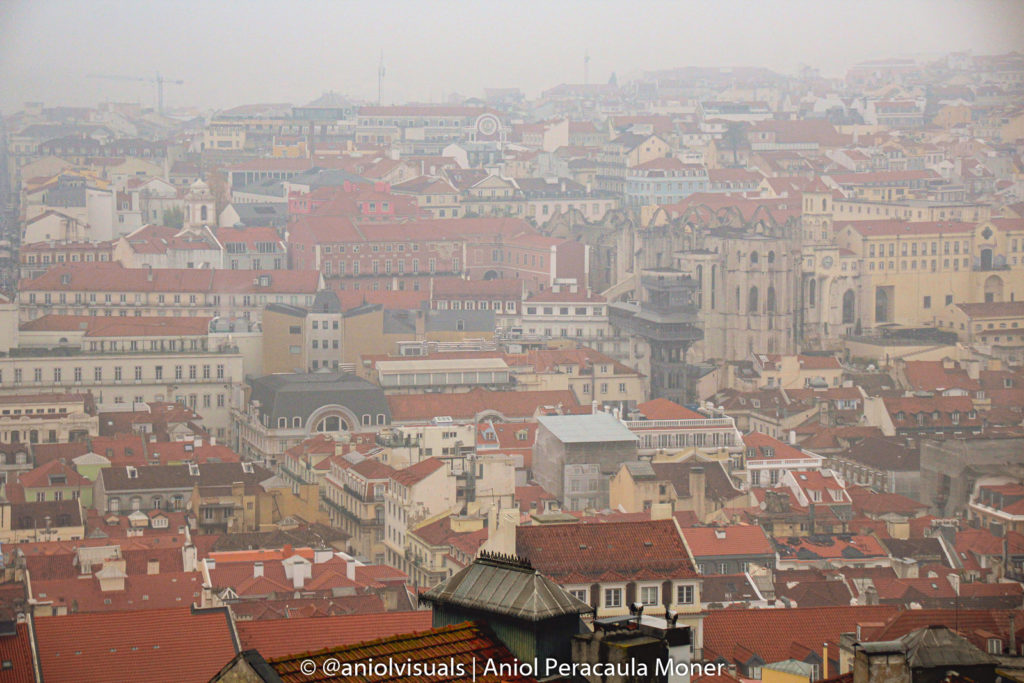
point(848, 307)
point(114, 505)
point(754, 257)
point(752, 300)
point(713, 268)
point(329, 424)
point(771, 257)
point(136, 503)
point(770, 300)
point(881, 306)
point(202, 212)
point(812, 292)
point(700, 282)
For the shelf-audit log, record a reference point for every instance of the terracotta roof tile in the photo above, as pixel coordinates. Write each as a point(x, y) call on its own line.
point(757, 631)
point(149, 645)
point(17, 649)
point(467, 405)
point(278, 638)
point(594, 550)
point(465, 644)
point(727, 541)
point(664, 409)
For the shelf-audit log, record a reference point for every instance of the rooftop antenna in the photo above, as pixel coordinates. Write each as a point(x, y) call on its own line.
point(586, 67)
point(380, 77)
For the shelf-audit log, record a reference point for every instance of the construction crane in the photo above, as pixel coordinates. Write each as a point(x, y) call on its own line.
point(159, 80)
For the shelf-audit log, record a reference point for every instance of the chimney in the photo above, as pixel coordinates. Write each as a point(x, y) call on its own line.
point(153, 567)
point(792, 437)
point(697, 492)
point(1012, 639)
point(824, 661)
point(350, 569)
point(286, 551)
point(188, 558)
point(257, 569)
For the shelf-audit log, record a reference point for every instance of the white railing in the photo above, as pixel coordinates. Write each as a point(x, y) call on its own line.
point(720, 422)
point(773, 463)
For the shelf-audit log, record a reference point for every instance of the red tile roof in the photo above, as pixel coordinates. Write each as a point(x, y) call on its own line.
point(871, 504)
point(584, 553)
point(152, 645)
point(281, 637)
point(40, 476)
point(736, 540)
point(993, 309)
point(467, 405)
point(664, 409)
point(414, 474)
point(888, 228)
point(17, 649)
point(883, 177)
point(141, 592)
point(737, 635)
point(114, 277)
point(762, 442)
point(972, 623)
point(531, 498)
point(926, 375)
point(465, 644)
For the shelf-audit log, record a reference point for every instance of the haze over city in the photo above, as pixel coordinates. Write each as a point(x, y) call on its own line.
point(495, 342)
point(236, 52)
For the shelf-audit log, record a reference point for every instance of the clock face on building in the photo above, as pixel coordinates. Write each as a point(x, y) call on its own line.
point(487, 125)
point(827, 261)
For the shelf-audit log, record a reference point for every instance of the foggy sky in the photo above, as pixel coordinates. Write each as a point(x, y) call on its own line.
point(231, 53)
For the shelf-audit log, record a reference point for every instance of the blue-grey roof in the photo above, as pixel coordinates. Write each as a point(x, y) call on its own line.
point(587, 428)
point(506, 587)
point(272, 214)
point(291, 395)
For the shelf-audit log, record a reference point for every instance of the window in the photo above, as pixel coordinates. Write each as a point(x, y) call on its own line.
point(580, 594)
point(649, 595)
point(684, 595)
point(613, 597)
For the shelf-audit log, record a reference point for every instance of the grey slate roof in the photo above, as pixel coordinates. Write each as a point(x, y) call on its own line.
point(503, 587)
point(598, 427)
point(326, 301)
point(937, 646)
point(162, 477)
point(272, 214)
point(302, 394)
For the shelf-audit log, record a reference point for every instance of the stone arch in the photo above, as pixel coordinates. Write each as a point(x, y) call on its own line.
point(346, 419)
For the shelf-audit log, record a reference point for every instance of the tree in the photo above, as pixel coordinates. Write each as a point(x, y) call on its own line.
point(735, 135)
point(174, 217)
